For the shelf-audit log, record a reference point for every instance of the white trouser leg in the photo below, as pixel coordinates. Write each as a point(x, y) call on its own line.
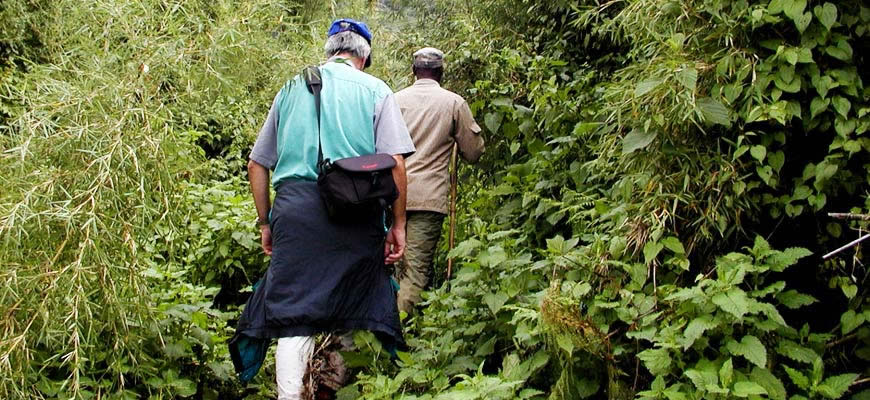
point(291, 359)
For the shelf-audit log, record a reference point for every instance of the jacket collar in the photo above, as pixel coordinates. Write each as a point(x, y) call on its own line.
point(427, 82)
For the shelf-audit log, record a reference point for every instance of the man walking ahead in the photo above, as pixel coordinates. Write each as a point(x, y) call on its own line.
point(436, 118)
point(324, 275)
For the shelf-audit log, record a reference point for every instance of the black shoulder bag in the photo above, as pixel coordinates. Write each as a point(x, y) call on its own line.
point(354, 187)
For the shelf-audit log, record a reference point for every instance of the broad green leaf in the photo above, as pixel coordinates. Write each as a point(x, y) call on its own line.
point(651, 251)
point(464, 248)
point(849, 290)
point(802, 22)
point(836, 386)
point(495, 301)
point(733, 301)
point(824, 171)
point(657, 361)
point(818, 105)
point(713, 111)
point(726, 373)
point(776, 160)
point(702, 379)
point(849, 321)
point(838, 53)
point(673, 244)
point(750, 348)
point(583, 128)
point(775, 6)
point(696, 329)
point(566, 343)
point(845, 127)
point(794, 299)
point(827, 14)
point(805, 55)
point(688, 77)
point(794, 9)
point(748, 388)
point(769, 381)
point(842, 105)
point(646, 86)
point(637, 139)
point(758, 152)
point(184, 387)
point(492, 121)
point(502, 102)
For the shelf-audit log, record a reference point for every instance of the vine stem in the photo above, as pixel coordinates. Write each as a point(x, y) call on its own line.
point(863, 217)
point(846, 246)
point(860, 381)
point(842, 340)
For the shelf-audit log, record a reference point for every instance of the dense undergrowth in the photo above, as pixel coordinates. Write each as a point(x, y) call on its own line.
point(648, 220)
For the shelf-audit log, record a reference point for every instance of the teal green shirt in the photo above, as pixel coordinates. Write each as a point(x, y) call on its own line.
point(358, 116)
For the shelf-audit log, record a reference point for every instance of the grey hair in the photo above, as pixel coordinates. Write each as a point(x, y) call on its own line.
point(347, 41)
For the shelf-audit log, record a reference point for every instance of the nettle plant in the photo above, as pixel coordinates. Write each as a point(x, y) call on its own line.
point(724, 336)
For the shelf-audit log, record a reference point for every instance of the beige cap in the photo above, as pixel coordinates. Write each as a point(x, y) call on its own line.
point(428, 57)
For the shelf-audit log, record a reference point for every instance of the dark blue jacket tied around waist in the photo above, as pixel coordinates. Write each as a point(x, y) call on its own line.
point(323, 277)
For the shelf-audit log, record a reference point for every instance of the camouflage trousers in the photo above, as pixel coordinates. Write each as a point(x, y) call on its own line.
point(421, 233)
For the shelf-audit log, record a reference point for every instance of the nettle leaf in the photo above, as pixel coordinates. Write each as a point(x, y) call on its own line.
point(702, 379)
point(657, 361)
point(464, 248)
point(713, 111)
point(734, 302)
point(748, 388)
point(696, 329)
point(646, 86)
point(797, 352)
point(769, 381)
point(794, 299)
point(794, 9)
point(750, 348)
point(786, 258)
point(836, 386)
point(797, 377)
point(637, 139)
point(688, 77)
point(827, 15)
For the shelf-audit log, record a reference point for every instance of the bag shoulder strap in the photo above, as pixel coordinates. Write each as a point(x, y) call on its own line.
point(314, 83)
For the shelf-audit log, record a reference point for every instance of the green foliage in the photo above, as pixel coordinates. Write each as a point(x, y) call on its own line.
point(633, 149)
point(108, 112)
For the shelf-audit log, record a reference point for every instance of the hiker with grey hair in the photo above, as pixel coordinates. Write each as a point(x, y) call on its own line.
point(437, 118)
point(324, 275)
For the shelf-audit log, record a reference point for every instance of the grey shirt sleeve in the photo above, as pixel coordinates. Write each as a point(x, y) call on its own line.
point(391, 133)
point(265, 151)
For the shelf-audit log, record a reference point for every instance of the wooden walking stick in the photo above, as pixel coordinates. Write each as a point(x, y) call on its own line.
point(454, 178)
